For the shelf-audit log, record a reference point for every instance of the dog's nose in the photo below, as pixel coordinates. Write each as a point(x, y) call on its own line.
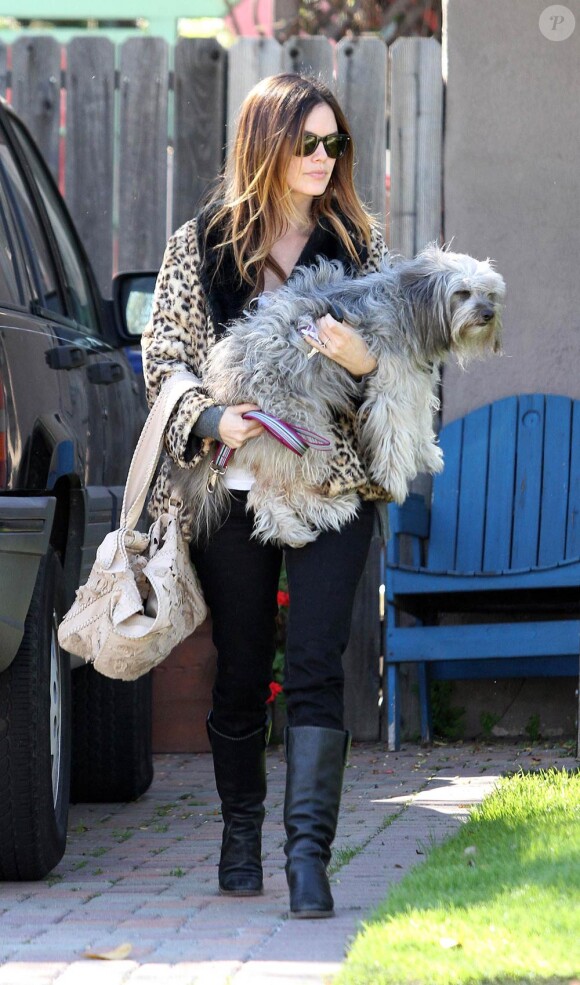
point(487, 314)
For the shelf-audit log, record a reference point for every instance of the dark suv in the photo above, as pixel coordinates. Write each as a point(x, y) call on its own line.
point(71, 409)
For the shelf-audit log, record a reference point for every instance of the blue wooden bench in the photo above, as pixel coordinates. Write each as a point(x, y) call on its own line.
point(501, 542)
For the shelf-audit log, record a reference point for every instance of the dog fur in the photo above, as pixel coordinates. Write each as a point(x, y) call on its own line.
point(412, 314)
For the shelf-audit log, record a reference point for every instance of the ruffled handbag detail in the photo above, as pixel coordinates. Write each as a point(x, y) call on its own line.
point(142, 596)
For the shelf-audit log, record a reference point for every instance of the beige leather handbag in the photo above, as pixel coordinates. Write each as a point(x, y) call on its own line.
point(142, 596)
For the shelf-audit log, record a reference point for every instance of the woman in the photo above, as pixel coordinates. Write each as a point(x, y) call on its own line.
point(287, 197)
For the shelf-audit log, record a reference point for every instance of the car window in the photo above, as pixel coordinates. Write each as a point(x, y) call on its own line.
point(79, 296)
point(11, 286)
point(41, 269)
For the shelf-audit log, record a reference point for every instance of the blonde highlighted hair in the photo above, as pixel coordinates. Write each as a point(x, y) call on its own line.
point(252, 203)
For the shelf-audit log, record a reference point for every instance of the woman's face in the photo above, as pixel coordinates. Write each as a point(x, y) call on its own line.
point(307, 177)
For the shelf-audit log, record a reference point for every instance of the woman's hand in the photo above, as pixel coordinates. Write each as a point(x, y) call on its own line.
point(343, 344)
point(234, 430)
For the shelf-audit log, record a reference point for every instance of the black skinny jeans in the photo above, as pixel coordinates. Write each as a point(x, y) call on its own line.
point(239, 577)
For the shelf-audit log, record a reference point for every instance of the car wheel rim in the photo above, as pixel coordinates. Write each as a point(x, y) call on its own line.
point(55, 709)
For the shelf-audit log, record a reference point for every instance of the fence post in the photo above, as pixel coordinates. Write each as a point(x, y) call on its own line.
point(90, 77)
point(362, 93)
point(309, 56)
point(416, 127)
point(36, 92)
point(250, 60)
point(143, 153)
point(200, 105)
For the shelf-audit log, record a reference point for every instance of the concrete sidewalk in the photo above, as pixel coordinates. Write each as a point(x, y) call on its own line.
point(145, 874)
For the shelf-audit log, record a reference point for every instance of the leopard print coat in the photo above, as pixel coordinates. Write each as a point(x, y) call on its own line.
point(191, 307)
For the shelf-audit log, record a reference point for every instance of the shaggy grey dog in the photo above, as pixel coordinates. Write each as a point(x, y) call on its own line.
point(412, 314)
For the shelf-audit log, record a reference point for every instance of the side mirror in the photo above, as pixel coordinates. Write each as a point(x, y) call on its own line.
point(132, 303)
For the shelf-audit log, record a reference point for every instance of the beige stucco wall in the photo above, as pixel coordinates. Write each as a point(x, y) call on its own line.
point(512, 192)
point(512, 188)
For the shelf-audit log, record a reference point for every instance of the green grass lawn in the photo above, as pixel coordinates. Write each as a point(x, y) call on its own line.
point(497, 903)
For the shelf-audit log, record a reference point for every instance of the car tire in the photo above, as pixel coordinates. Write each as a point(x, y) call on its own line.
point(112, 760)
point(35, 710)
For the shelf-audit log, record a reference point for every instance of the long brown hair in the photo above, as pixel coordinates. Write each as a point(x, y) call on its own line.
point(252, 203)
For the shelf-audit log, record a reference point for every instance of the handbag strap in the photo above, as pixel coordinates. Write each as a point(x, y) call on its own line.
point(150, 444)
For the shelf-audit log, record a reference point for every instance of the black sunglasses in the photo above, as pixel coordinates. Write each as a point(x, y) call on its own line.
point(334, 144)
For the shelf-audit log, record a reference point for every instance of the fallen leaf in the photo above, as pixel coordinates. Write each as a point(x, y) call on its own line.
point(449, 942)
point(117, 954)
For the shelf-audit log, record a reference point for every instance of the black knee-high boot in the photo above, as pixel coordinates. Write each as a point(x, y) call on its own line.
point(315, 766)
point(240, 774)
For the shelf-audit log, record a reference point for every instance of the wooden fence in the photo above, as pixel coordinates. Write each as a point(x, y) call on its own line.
point(135, 133)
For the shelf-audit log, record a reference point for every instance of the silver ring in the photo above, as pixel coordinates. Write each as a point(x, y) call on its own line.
point(323, 344)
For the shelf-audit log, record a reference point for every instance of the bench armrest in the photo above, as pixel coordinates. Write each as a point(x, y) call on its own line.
point(411, 518)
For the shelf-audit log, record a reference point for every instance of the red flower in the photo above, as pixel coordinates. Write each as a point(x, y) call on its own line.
point(283, 599)
point(275, 690)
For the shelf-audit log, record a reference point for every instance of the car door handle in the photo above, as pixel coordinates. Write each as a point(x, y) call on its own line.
point(105, 373)
point(66, 357)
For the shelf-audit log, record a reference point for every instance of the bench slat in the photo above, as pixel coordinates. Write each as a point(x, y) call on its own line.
point(445, 506)
point(530, 448)
point(555, 480)
point(522, 639)
point(423, 582)
point(500, 485)
point(473, 491)
point(502, 667)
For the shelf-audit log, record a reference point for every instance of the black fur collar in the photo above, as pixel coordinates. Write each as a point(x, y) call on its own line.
point(227, 295)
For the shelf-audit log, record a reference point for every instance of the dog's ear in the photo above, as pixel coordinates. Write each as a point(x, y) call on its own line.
point(422, 285)
point(419, 282)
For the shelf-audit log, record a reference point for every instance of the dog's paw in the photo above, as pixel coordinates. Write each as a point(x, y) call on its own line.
point(431, 460)
point(275, 523)
point(396, 485)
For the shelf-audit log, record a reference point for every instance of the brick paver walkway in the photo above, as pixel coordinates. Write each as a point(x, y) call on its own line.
point(145, 874)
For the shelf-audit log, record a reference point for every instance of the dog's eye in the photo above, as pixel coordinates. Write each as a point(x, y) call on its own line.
point(463, 295)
